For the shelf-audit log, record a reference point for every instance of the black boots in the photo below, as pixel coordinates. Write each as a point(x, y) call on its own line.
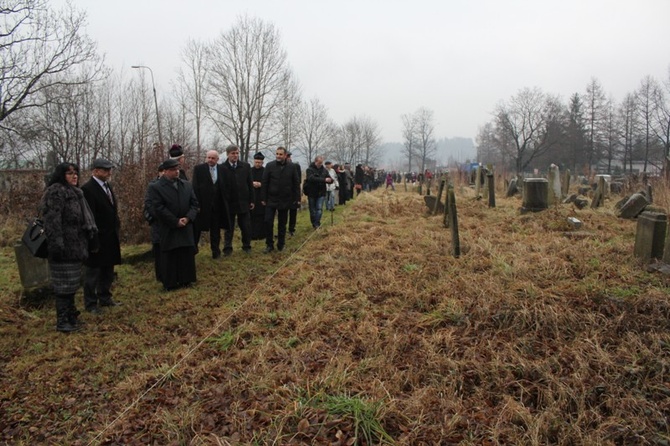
point(66, 313)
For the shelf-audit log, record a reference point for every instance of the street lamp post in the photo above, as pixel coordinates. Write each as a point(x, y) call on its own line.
point(158, 119)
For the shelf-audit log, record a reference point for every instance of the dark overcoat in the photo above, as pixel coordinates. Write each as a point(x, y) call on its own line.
point(107, 220)
point(208, 195)
point(298, 169)
point(316, 180)
point(237, 187)
point(64, 223)
point(169, 204)
point(281, 185)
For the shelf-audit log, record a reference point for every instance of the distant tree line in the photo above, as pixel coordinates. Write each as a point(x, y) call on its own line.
point(592, 132)
point(59, 101)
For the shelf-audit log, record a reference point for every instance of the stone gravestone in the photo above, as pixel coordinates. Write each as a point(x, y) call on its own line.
point(650, 235)
point(33, 271)
point(632, 206)
point(512, 188)
point(535, 192)
point(432, 201)
point(554, 195)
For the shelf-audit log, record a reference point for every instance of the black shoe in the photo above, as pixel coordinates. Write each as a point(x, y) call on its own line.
point(94, 310)
point(291, 233)
point(280, 248)
point(227, 253)
point(111, 303)
point(268, 249)
point(216, 255)
point(247, 250)
point(66, 327)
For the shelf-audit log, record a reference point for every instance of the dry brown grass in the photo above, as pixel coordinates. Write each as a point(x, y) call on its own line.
point(373, 333)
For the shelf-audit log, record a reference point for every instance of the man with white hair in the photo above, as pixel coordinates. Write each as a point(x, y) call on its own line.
point(206, 179)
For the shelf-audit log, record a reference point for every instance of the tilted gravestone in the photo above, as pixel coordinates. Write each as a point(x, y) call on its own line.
point(632, 206)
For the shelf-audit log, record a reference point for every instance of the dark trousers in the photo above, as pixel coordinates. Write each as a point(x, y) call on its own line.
point(292, 219)
point(244, 223)
point(97, 286)
point(214, 235)
point(156, 249)
point(282, 219)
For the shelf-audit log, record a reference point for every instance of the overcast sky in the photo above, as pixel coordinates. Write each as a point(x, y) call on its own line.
point(386, 58)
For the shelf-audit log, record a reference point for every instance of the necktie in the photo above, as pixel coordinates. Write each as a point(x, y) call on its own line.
point(234, 166)
point(212, 172)
point(109, 193)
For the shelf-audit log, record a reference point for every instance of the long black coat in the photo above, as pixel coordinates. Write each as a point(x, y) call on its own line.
point(281, 185)
point(237, 187)
point(169, 205)
point(208, 194)
point(107, 220)
point(298, 169)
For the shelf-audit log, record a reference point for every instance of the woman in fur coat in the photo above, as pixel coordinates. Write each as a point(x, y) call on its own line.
point(69, 225)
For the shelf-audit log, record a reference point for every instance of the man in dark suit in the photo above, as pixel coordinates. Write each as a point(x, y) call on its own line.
point(280, 190)
point(238, 194)
point(258, 213)
point(106, 250)
point(293, 212)
point(206, 185)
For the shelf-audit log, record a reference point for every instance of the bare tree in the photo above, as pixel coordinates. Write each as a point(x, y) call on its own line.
point(662, 116)
point(370, 141)
point(612, 146)
point(287, 120)
point(595, 101)
point(246, 76)
point(425, 136)
point(532, 121)
point(576, 133)
point(645, 104)
point(628, 119)
point(316, 130)
point(409, 138)
point(40, 49)
point(194, 80)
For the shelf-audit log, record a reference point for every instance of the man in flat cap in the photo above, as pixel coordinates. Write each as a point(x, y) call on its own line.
point(258, 212)
point(106, 248)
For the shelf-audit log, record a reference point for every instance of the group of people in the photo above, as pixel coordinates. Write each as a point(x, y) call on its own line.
point(82, 227)
point(82, 224)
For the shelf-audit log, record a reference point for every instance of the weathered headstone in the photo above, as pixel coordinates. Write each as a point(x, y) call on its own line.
point(632, 207)
point(33, 271)
point(650, 235)
point(554, 195)
point(535, 192)
point(565, 183)
point(432, 201)
point(600, 194)
point(512, 188)
point(492, 189)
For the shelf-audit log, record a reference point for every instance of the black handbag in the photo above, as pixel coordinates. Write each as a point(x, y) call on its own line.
point(35, 239)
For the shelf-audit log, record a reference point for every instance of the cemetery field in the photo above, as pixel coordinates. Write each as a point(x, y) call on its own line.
point(367, 331)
